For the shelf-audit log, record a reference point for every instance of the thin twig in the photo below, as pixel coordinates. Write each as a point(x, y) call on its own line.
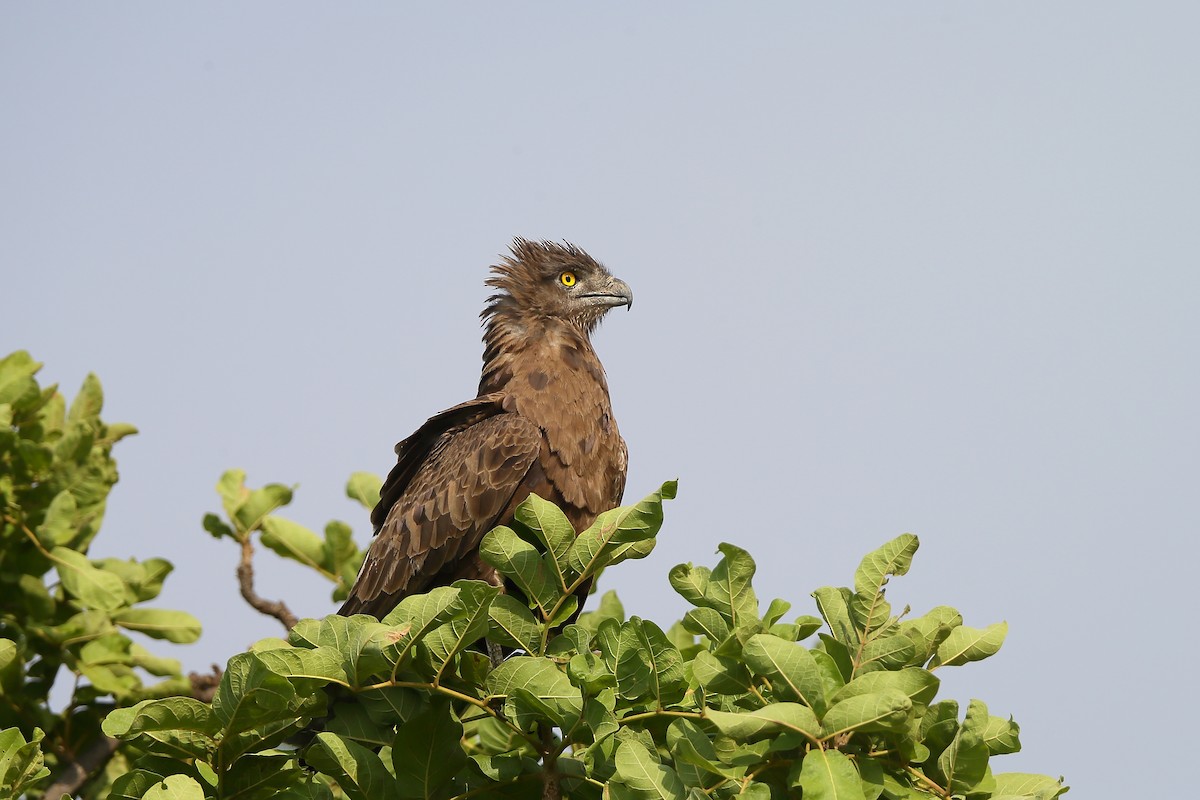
point(920, 776)
point(245, 574)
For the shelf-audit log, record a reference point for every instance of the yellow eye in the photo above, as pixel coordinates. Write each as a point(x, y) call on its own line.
point(567, 279)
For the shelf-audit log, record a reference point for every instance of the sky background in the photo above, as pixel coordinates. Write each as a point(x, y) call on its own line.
point(923, 267)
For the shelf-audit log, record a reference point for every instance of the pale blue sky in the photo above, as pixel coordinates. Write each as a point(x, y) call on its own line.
point(923, 267)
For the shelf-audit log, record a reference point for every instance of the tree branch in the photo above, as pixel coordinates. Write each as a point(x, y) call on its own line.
point(551, 789)
point(245, 575)
point(75, 774)
point(204, 685)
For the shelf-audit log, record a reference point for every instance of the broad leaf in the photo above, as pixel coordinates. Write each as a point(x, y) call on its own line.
point(969, 644)
point(92, 587)
point(426, 752)
point(828, 775)
point(790, 667)
point(887, 710)
point(522, 563)
point(364, 487)
point(648, 664)
point(159, 623)
point(358, 771)
point(593, 549)
point(770, 720)
point(553, 530)
point(640, 775)
point(964, 763)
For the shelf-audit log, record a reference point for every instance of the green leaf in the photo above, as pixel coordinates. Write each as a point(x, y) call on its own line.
point(250, 694)
point(10, 665)
point(1002, 736)
point(359, 772)
point(647, 664)
point(155, 665)
point(542, 680)
point(969, 644)
point(886, 652)
point(706, 622)
point(887, 710)
point(21, 761)
point(88, 403)
point(729, 590)
point(868, 607)
point(392, 704)
point(92, 587)
point(964, 763)
point(828, 775)
point(367, 647)
point(133, 785)
point(721, 674)
point(552, 529)
point(513, 624)
point(175, 787)
point(696, 759)
point(790, 667)
point(775, 611)
point(293, 540)
point(1019, 784)
point(60, 525)
point(640, 775)
point(426, 611)
point(930, 630)
point(216, 527)
point(247, 508)
point(520, 561)
point(871, 776)
point(470, 626)
point(342, 557)
point(609, 607)
point(915, 683)
point(364, 487)
point(598, 714)
point(174, 626)
point(894, 558)
point(260, 776)
point(806, 625)
point(170, 713)
point(16, 377)
point(306, 669)
point(770, 720)
point(426, 753)
point(596, 547)
point(834, 607)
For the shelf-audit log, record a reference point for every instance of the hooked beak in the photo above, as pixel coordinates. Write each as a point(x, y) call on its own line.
point(615, 293)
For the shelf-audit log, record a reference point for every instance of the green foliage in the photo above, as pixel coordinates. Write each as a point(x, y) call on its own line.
point(726, 704)
point(61, 610)
point(333, 555)
point(730, 702)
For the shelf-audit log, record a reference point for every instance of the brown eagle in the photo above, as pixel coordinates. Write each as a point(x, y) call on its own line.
point(542, 422)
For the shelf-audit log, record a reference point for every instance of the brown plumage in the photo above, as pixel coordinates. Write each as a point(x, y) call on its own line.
point(542, 423)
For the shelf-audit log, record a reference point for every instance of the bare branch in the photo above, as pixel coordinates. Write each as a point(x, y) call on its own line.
point(245, 574)
point(204, 685)
point(75, 774)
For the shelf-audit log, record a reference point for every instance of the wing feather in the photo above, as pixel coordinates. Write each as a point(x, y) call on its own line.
point(473, 472)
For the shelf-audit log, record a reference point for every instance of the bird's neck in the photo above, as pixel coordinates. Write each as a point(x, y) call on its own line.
point(516, 346)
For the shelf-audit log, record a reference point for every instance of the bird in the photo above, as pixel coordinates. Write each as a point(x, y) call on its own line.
point(542, 422)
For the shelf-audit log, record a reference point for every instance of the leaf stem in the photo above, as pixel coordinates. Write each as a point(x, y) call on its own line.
point(662, 712)
point(920, 776)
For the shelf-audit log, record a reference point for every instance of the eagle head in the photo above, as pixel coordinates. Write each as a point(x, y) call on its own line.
point(556, 281)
